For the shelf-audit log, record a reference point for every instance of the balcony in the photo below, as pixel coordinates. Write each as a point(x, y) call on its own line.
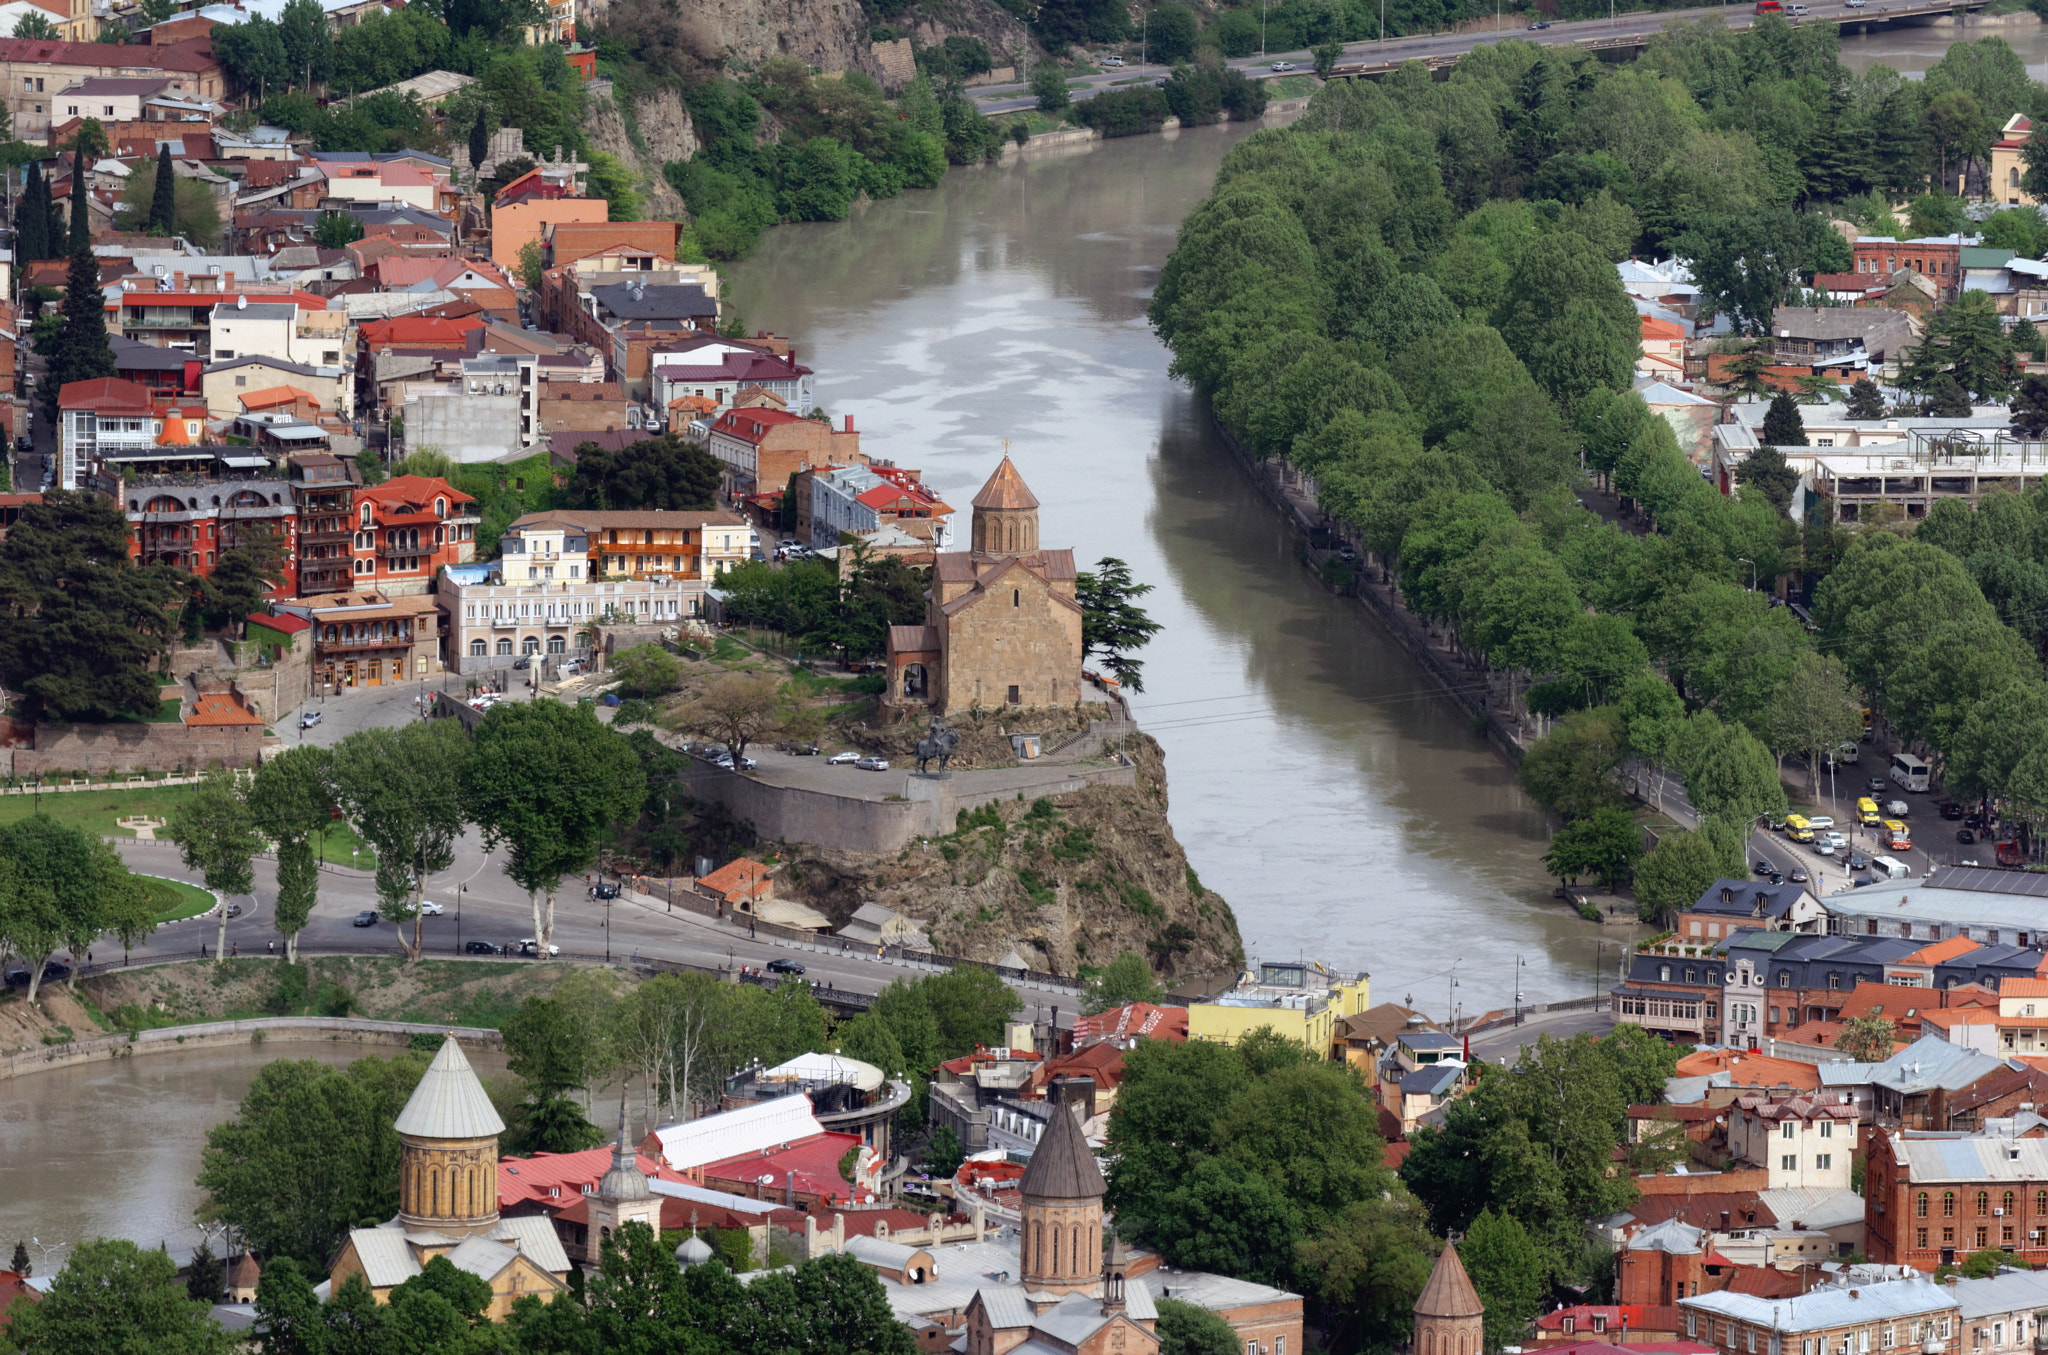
point(326, 535)
point(558, 622)
point(504, 623)
point(405, 552)
point(340, 646)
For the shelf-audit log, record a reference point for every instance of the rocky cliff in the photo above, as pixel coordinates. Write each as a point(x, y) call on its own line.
point(1069, 882)
point(659, 130)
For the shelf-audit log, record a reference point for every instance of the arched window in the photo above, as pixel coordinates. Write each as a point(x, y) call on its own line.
point(478, 649)
point(1055, 1250)
point(530, 645)
point(440, 508)
point(557, 645)
point(366, 515)
point(1037, 1245)
point(505, 646)
point(2007, 1204)
point(2040, 1203)
point(1948, 1204)
point(1920, 1205)
point(1983, 1202)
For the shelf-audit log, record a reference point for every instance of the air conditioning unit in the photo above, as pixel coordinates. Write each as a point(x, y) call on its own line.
point(1998, 1213)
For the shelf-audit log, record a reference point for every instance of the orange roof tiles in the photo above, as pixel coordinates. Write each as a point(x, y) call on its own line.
point(221, 708)
point(1751, 1069)
point(742, 878)
point(1653, 328)
point(1941, 952)
point(106, 394)
point(271, 396)
point(2023, 988)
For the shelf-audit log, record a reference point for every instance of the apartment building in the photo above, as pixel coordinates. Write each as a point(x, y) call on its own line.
point(405, 530)
point(1802, 1141)
point(1904, 1315)
point(761, 448)
point(1932, 1200)
point(370, 638)
point(187, 505)
point(863, 499)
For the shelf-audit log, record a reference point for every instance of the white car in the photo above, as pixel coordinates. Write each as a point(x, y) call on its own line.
point(1283, 65)
point(845, 759)
point(309, 719)
point(873, 764)
point(529, 946)
point(431, 909)
point(1115, 62)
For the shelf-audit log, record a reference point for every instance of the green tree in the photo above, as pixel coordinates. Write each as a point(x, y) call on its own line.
point(1112, 623)
point(943, 1154)
point(1570, 770)
point(250, 568)
point(113, 1295)
point(216, 836)
point(1327, 55)
point(82, 352)
point(1606, 843)
point(479, 138)
point(1865, 400)
point(33, 25)
point(1783, 426)
point(610, 179)
point(1369, 1266)
point(163, 200)
point(206, 1277)
point(32, 215)
point(193, 213)
point(1170, 33)
point(1765, 468)
point(1867, 1039)
point(646, 670)
point(1965, 341)
point(401, 789)
point(20, 1263)
point(1049, 87)
point(1681, 866)
point(665, 473)
point(1745, 264)
point(1815, 711)
point(1511, 1273)
point(1125, 979)
point(62, 886)
point(2030, 407)
point(529, 269)
point(551, 783)
point(291, 799)
point(1189, 1329)
point(335, 230)
point(310, 1153)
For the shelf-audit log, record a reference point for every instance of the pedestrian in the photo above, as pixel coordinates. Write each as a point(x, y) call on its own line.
point(270, 947)
point(234, 950)
point(88, 957)
point(202, 950)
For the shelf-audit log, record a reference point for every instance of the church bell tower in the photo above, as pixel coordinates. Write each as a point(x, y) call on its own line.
point(1005, 514)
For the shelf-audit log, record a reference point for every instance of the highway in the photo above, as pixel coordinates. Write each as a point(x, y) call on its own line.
point(482, 905)
point(1372, 58)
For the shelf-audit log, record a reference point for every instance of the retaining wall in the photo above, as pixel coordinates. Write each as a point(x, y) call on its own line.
point(215, 1034)
point(112, 750)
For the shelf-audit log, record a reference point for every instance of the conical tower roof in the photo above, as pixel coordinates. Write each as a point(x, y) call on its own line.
point(450, 1103)
point(1449, 1292)
point(1062, 1167)
point(1006, 489)
point(625, 1180)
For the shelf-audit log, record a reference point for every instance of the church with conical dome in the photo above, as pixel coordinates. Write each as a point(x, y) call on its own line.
point(1001, 627)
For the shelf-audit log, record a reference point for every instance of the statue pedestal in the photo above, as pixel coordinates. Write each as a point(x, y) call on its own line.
point(933, 776)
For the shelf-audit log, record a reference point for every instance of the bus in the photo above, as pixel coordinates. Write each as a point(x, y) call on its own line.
point(1909, 772)
point(1797, 828)
point(1769, 7)
point(1866, 812)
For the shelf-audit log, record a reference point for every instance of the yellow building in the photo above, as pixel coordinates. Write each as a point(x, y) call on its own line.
point(1304, 1001)
point(2007, 166)
point(448, 1201)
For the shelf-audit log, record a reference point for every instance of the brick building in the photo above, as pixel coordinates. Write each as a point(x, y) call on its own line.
point(370, 639)
point(1932, 1201)
point(1897, 1315)
point(405, 530)
point(761, 448)
point(1002, 627)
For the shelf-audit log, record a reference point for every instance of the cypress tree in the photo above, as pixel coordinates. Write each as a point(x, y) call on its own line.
point(82, 348)
point(1783, 427)
point(163, 203)
point(32, 218)
point(479, 140)
point(81, 210)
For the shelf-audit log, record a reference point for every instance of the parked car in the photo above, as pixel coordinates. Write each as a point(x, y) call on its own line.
point(1858, 861)
point(873, 764)
point(1283, 65)
point(1539, 25)
point(842, 759)
point(309, 719)
point(53, 972)
point(803, 749)
point(482, 947)
point(428, 908)
point(1113, 62)
point(525, 662)
point(779, 966)
point(1951, 810)
point(1965, 836)
point(532, 947)
point(604, 889)
point(366, 918)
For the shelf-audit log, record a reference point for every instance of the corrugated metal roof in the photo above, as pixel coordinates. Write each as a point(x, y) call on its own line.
point(1814, 1206)
point(482, 1257)
point(877, 1252)
point(1828, 1307)
point(1005, 1307)
point(2012, 1292)
point(1138, 1301)
point(386, 1258)
point(535, 1238)
point(450, 1103)
point(1973, 1159)
point(750, 1129)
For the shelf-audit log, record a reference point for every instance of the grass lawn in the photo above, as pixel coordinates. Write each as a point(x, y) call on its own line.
point(1290, 87)
point(96, 811)
point(176, 899)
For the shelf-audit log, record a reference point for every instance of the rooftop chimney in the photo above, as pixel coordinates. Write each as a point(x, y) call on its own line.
point(849, 423)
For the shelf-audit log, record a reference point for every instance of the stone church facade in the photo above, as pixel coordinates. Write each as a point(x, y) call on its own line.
point(1002, 626)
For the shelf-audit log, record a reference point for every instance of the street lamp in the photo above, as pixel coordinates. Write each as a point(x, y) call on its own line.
point(607, 931)
point(1520, 965)
point(460, 890)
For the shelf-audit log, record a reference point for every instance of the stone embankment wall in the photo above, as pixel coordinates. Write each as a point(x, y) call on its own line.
point(215, 1034)
point(113, 750)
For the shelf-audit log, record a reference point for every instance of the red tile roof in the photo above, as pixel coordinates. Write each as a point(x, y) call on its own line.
point(283, 621)
point(409, 330)
point(524, 1180)
point(740, 878)
point(1134, 1018)
point(1635, 1316)
point(808, 1168)
point(752, 425)
point(1941, 952)
point(221, 709)
point(105, 394)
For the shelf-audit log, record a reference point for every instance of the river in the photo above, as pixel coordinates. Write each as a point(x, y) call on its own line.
point(1347, 812)
point(111, 1149)
point(1910, 50)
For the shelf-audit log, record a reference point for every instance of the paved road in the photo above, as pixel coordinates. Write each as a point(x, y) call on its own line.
point(1010, 97)
point(491, 908)
point(1501, 1046)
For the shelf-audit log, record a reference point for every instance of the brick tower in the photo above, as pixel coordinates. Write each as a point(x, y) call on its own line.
point(1062, 1208)
point(1449, 1318)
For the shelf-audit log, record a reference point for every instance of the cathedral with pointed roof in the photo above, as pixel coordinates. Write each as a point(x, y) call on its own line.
point(1002, 627)
point(1449, 1318)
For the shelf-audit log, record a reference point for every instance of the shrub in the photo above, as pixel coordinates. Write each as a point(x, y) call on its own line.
point(1125, 112)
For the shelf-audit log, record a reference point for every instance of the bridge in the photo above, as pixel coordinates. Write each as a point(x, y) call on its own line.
point(1624, 34)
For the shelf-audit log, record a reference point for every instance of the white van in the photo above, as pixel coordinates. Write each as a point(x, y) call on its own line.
point(1890, 867)
point(1909, 772)
point(1819, 823)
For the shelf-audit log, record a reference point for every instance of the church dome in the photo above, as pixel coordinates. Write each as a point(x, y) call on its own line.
point(624, 1181)
point(694, 1251)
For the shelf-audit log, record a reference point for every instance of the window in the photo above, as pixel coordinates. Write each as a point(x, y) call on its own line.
point(1788, 1162)
point(1691, 975)
point(1827, 1129)
point(241, 380)
point(1948, 1204)
point(530, 645)
point(1822, 1161)
point(1920, 1205)
point(1983, 1203)
point(1983, 1238)
point(2006, 1204)
point(1015, 699)
point(477, 648)
point(505, 647)
point(1016, 597)
point(1920, 1238)
point(1785, 1130)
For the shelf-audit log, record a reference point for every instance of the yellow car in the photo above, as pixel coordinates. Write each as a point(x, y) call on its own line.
point(1867, 812)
